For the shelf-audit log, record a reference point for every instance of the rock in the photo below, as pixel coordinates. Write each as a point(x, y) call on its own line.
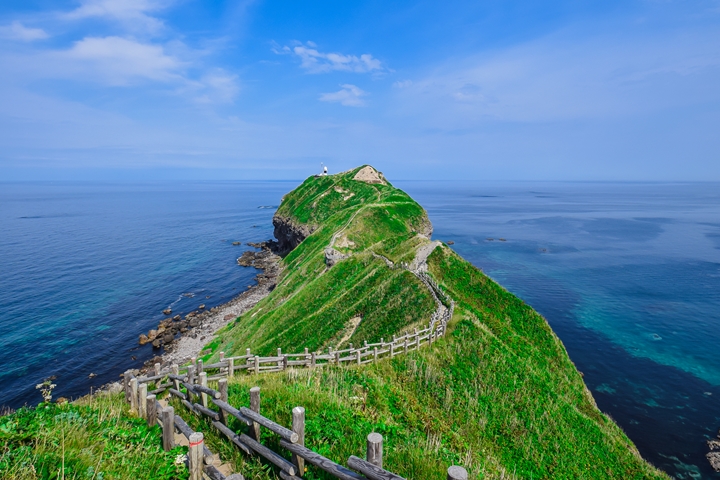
point(228, 317)
point(167, 311)
point(237, 243)
point(194, 322)
point(289, 234)
point(92, 375)
point(368, 174)
point(502, 240)
point(167, 338)
point(152, 334)
point(115, 387)
point(156, 343)
point(714, 459)
point(190, 315)
point(177, 317)
point(143, 339)
point(201, 307)
point(332, 256)
point(450, 242)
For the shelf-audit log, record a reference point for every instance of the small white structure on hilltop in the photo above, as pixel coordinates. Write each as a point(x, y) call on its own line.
point(324, 169)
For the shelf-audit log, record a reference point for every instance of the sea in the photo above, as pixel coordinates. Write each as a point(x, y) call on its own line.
point(627, 275)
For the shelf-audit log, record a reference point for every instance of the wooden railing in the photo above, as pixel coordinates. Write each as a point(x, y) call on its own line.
point(213, 404)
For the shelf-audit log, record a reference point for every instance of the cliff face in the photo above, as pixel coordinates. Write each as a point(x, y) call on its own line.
point(289, 234)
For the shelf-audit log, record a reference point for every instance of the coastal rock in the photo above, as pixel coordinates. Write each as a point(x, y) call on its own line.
point(143, 339)
point(289, 234)
point(167, 311)
point(194, 322)
point(177, 317)
point(237, 243)
point(714, 459)
point(167, 338)
point(156, 343)
point(450, 242)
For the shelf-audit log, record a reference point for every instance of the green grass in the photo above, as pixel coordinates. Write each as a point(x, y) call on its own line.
point(95, 438)
point(499, 395)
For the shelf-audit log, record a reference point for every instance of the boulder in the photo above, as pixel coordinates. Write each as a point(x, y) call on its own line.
point(167, 338)
point(167, 311)
point(201, 307)
point(143, 339)
point(332, 256)
point(177, 317)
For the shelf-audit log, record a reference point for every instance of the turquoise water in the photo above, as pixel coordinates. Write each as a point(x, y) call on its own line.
point(627, 274)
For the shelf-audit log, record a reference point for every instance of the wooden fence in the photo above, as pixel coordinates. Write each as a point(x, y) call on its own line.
point(198, 398)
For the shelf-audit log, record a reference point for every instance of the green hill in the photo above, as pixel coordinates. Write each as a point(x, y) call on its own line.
point(498, 394)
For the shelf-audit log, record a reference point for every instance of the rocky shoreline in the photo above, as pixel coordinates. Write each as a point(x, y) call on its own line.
point(184, 338)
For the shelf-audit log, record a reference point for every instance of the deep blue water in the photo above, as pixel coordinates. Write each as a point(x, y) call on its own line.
point(627, 274)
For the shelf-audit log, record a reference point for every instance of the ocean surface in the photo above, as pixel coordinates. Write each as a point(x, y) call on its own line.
point(627, 274)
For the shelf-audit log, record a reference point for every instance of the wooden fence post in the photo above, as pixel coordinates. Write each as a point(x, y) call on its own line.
point(203, 382)
point(337, 358)
point(133, 394)
point(406, 345)
point(255, 407)
point(375, 354)
point(298, 426)
point(222, 356)
point(231, 367)
point(195, 455)
point(199, 366)
point(126, 385)
point(374, 449)
point(457, 473)
point(392, 349)
point(312, 360)
point(191, 381)
point(358, 357)
point(257, 365)
point(279, 354)
point(168, 426)
point(142, 395)
point(285, 362)
point(176, 371)
point(151, 411)
point(223, 389)
point(157, 368)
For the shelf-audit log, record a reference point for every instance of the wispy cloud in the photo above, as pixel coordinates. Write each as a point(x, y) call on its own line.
point(134, 14)
point(314, 61)
point(349, 96)
point(17, 31)
point(120, 61)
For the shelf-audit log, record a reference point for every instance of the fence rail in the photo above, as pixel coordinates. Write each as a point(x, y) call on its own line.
point(200, 458)
point(199, 399)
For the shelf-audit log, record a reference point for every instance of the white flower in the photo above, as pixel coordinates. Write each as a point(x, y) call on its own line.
point(180, 459)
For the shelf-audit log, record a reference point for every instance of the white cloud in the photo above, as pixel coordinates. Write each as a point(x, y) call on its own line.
point(315, 61)
point(403, 84)
point(349, 95)
point(17, 31)
point(134, 14)
point(119, 61)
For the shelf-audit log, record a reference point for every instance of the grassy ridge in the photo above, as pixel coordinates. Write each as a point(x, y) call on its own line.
point(498, 394)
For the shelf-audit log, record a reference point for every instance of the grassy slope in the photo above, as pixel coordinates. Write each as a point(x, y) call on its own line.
point(498, 395)
point(311, 305)
point(93, 438)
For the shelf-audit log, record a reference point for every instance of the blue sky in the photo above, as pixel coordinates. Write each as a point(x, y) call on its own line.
point(507, 90)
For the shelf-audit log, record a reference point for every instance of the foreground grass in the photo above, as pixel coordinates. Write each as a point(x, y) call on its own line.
point(95, 438)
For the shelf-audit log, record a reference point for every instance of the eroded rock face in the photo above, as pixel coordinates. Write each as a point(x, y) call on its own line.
point(332, 256)
point(370, 175)
point(289, 234)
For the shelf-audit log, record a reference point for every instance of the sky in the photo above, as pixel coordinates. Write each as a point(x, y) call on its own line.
point(476, 90)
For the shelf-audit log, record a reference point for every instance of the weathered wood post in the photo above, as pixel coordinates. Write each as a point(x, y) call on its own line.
point(374, 449)
point(257, 365)
point(133, 395)
point(223, 389)
point(392, 349)
point(168, 427)
point(358, 358)
point(176, 371)
point(255, 407)
point(200, 366)
point(375, 354)
point(337, 358)
point(222, 356)
point(280, 362)
point(157, 368)
point(126, 385)
point(313, 360)
point(406, 344)
point(203, 382)
point(285, 362)
point(307, 357)
point(151, 410)
point(230, 367)
point(195, 455)
point(457, 473)
point(298, 426)
point(141, 402)
point(190, 380)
